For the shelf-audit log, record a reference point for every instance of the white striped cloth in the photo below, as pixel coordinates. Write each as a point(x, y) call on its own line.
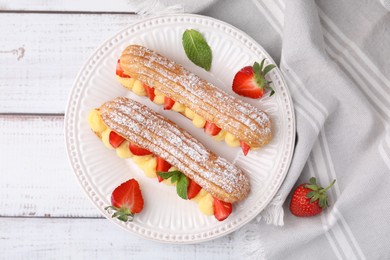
point(335, 56)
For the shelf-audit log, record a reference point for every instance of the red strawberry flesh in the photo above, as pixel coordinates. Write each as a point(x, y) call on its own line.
point(115, 139)
point(244, 83)
point(168, 103)
point(222, 209)
point(245, 148)
point(250, 81)
point(193, 189)
point(119, 71)
point(136, 150)
point(162, 166)
point(128, 195)
point(149, 92)
point(211, 128)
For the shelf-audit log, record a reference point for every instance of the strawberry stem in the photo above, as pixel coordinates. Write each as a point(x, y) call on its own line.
point(123, 214)
point(329, 186)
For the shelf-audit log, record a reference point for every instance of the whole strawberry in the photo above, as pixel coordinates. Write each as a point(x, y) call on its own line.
point(126, 200)
point(309, 199)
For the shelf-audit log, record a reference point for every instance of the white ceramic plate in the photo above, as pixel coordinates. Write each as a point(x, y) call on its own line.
point(166, 217)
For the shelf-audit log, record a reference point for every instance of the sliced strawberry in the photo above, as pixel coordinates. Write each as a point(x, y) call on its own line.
point(245, 148)
point(126, 200)
point(119, 70)
point(211, 128)
point(136, 150)
point(245, 85)
point(149, 92)
point(193, 189)
point(222, 209)
point(250, 81)
point(115, 139)
point(162, 166)
point(168, 103)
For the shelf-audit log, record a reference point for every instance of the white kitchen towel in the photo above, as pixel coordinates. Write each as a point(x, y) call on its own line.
point(335, 56)
point(159, 7)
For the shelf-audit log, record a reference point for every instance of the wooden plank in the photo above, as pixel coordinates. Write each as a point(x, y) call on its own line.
point(36, 178)
point(40, 55)
point(69, 6)
point(39, 238)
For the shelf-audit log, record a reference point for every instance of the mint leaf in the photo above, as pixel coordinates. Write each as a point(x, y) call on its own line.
point(167, 175)
point(174, 178)
point(197, 49)
point(182, 181)
point(182, 186)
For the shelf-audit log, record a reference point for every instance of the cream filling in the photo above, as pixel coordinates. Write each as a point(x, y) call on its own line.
point(148, 163)
point(159, 99)
point(95, 121)
point(137, 87)
point(126, 82)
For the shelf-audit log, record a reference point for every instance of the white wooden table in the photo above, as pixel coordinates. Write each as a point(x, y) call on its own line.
point(43, 211)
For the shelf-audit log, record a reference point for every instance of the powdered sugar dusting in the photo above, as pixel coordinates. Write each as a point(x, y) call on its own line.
point(150, 130)
point(246, 122)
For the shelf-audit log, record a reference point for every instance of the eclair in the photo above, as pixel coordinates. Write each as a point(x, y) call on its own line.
point(157, 144)
point(165, 82)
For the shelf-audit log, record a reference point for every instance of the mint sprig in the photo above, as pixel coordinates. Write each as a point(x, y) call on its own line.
point(197, 49)
point(180, 178)
point(182, 186)
point(174, 175)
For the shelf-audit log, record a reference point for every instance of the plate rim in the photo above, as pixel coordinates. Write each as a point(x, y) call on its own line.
point(69, 136)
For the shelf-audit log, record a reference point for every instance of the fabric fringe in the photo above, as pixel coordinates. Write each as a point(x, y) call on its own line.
point(248, 243)
point(155, 7)
point(273, 213)
point(248, 239)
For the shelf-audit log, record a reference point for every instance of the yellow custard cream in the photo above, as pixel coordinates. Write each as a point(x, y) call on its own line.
point(231, 140)
point(106, 138)
point(189, 113)
point(96, 122)
point(126, 82)
point(123, 150)
point(198, 121)
point(205, 202)
point(148, 163)
point(220, 136)
point(137, 87)
point(159, 99)
point(178, 107)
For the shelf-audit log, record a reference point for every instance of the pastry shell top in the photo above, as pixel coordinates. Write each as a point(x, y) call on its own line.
point(246, 122)
point(148, 129)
